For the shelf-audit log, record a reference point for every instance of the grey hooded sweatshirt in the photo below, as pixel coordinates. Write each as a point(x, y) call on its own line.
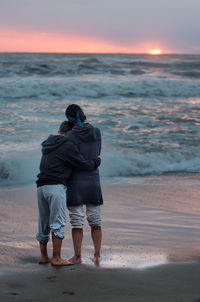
point(84, 186)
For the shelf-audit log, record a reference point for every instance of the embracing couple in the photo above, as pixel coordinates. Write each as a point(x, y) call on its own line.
point(69, 178)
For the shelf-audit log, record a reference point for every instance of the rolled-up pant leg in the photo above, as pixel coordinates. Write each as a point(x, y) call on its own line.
point(93, 213)
point(76, 215)
point(55, 197)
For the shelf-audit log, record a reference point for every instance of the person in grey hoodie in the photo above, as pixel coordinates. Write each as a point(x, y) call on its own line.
point(59, 157)
point(84, 186)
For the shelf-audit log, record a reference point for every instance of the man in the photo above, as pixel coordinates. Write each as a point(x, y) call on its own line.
point(59, 155)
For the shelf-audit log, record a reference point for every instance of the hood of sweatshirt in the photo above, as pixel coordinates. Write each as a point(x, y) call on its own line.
point(52, 143)
point(85, 134)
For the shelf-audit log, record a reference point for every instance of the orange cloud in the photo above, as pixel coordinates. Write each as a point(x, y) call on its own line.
point(31, 41)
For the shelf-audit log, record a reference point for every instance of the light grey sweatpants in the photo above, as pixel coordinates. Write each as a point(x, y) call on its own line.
point(52, 211)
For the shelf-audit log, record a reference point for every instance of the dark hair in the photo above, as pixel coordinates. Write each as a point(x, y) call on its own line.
point(72, 109)
point(65, 127)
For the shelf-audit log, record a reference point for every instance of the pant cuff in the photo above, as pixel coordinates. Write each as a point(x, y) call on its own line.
point(42, 238)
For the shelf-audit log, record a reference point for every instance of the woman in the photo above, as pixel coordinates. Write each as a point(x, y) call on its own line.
point(84, 186)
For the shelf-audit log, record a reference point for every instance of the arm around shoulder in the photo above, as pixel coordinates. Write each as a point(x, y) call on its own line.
point(76, 159)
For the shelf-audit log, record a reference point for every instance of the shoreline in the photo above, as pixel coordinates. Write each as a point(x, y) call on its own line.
point(168, 178)
point(153, 220)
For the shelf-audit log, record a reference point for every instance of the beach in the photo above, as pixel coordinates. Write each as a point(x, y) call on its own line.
point(147, 109)
point(119, 80)
point(150, 248)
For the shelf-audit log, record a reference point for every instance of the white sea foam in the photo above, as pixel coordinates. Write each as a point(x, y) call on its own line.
point(22, 167)
point(19, 168)
point(119, 163)
point(99, 87)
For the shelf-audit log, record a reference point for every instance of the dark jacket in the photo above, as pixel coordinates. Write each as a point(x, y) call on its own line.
point(59, 157)
point(84, 186)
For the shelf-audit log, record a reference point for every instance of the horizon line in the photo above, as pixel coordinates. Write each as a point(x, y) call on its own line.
point(99, 53)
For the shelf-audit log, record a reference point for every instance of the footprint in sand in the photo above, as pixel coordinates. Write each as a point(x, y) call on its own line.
point(68, 293)
point(14, 294)
point(51, 278)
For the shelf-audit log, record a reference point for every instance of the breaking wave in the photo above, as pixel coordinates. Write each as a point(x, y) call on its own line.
point(99, 88)
point(22, 167)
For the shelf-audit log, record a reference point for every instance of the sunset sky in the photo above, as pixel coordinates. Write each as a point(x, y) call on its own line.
point(106, 26)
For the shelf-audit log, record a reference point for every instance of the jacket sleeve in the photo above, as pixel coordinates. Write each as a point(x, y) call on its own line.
point(74, 158)
point(100, 142)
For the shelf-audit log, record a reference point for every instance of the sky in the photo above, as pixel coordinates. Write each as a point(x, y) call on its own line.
point(100, 26)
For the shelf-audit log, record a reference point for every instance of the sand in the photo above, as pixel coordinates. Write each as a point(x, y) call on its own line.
point(177, 282)
point(150, 250)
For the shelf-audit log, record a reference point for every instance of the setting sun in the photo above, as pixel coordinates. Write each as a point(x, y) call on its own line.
point(155, 51)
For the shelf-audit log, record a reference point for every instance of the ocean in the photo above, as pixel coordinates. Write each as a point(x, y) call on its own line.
point(147, 108)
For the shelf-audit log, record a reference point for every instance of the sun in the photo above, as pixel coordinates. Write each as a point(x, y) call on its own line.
point(155, 52)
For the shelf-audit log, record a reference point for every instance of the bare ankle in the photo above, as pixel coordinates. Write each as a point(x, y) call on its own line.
point(44, 260)
point(97, 254)
point(55, 257)
point(96, 259)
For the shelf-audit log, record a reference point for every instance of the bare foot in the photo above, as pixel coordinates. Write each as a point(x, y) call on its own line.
point(96, 260)
point(44, 260)
point(75, 260)
point(60, 262)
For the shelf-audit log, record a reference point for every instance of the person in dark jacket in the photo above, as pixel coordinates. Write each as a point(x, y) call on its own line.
point(84, 186)
point(59, 156)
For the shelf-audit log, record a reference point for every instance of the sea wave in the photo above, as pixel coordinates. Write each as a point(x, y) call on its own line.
point(22, 167)
point(149, 103)
point(18, 168)
point(126, 164)
point(188, 74)
point(74, 65)
point(80, 88)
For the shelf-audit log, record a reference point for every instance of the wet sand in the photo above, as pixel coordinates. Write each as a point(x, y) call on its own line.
point(150, 250)
point(166, 283)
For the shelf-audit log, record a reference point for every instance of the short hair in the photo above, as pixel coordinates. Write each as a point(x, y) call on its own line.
point(65, 127)
point(72, 109)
